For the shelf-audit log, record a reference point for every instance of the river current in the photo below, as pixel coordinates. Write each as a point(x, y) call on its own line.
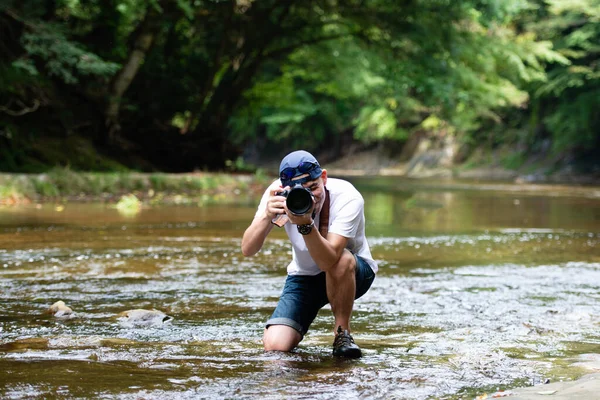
point(481, 288)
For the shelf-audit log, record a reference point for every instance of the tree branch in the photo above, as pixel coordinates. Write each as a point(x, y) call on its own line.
point(24, 109)
point(143, 38)
point(17, 18)
point(283, 50)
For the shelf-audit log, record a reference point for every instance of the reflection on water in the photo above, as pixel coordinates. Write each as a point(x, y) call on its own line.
point(478, 289)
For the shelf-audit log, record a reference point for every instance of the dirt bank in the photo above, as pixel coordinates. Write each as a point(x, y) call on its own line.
point(425, 165)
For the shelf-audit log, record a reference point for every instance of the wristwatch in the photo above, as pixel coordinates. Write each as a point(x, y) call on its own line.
point(306, 229)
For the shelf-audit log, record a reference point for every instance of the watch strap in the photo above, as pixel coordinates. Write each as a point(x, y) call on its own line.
point(306, 229)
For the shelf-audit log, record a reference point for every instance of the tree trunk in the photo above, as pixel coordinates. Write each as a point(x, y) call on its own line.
point(142, 42)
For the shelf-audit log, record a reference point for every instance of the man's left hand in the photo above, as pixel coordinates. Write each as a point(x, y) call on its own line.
point(305, 219)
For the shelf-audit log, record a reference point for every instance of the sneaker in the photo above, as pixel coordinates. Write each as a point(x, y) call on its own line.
point(344, 346)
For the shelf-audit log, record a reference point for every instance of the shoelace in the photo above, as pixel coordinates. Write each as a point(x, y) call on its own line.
point(342, 338)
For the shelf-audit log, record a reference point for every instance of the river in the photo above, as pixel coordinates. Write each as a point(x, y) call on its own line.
point(481, 287)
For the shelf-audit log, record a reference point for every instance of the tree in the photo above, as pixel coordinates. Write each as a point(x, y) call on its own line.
point(570, 98)
point(404, 67)
point(182, 84)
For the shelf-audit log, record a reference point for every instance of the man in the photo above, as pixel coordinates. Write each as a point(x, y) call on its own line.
point(331, 260)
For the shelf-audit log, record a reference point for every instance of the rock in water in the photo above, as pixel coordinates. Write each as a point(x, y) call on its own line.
point(26, 344)
point(60, 310)
point(139, 317)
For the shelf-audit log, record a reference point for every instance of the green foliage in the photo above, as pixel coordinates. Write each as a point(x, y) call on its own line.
point(194, 183)
point(158, 182)
point(67, 182)
point(576, 123)
point(222, 75)
point(317, 95)
point(375, 124)
point(129, 205)
point(571, 94)
point(170, 183)
point(459, 65)
point(46, 188)
point(513, 160)
point(261, 176)
point(52, 45)
point(239, 165)
point(62, 58)
point(64, 183)
point(60, 182)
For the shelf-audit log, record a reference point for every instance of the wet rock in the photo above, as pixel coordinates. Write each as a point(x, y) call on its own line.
point(140, 317)
point(26, 344)
point(117, 342)
point(60, 310)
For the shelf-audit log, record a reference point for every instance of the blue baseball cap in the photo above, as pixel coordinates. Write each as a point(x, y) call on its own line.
point(298, 163)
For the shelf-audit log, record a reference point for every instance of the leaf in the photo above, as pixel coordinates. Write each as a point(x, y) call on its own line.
point(26, 65)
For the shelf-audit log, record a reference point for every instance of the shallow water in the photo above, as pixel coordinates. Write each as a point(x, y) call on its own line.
point(480, 287)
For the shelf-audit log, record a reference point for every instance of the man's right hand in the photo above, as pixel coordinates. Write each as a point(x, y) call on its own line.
point(276, 203)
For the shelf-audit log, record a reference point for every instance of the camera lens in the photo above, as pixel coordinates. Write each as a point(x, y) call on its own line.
point(299, 200)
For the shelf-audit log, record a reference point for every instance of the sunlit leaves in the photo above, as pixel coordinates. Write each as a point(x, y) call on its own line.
point(377, 123)
point(460, 63)
point(85, 10)
point(26, 65)
point(314, 71)
point(572, 89)
point(187, 7)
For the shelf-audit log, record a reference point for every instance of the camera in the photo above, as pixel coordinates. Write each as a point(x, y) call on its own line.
point(298, 199)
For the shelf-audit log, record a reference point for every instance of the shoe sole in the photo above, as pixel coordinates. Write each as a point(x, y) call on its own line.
point(349, 353)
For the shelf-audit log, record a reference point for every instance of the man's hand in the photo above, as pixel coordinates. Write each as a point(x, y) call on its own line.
point(305, 219)
point(255, 235)
point(276, 203)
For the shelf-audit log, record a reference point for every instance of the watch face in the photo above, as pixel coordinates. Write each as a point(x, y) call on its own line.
point(305, 229)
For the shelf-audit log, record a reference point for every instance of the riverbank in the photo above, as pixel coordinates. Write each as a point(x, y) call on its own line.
point(428, 166)
point(63, 185)
point(198, 188)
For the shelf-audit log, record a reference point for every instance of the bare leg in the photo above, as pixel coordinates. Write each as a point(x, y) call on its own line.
point(281, 338)
point(341, 289)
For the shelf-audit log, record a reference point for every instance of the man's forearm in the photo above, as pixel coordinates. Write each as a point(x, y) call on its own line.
point(325, 253)
point(254, 237)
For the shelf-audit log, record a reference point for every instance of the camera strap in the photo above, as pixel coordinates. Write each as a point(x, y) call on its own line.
point(324, 215)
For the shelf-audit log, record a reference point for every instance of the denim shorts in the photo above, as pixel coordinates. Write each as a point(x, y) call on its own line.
point(304, 295)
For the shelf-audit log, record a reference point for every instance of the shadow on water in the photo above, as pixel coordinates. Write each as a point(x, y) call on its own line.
point(479, 288)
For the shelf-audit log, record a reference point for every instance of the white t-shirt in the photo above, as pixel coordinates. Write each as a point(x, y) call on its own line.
point(346, 218)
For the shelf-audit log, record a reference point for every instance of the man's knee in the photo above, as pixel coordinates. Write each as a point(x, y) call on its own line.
point(346, 265)
point(280, 338)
